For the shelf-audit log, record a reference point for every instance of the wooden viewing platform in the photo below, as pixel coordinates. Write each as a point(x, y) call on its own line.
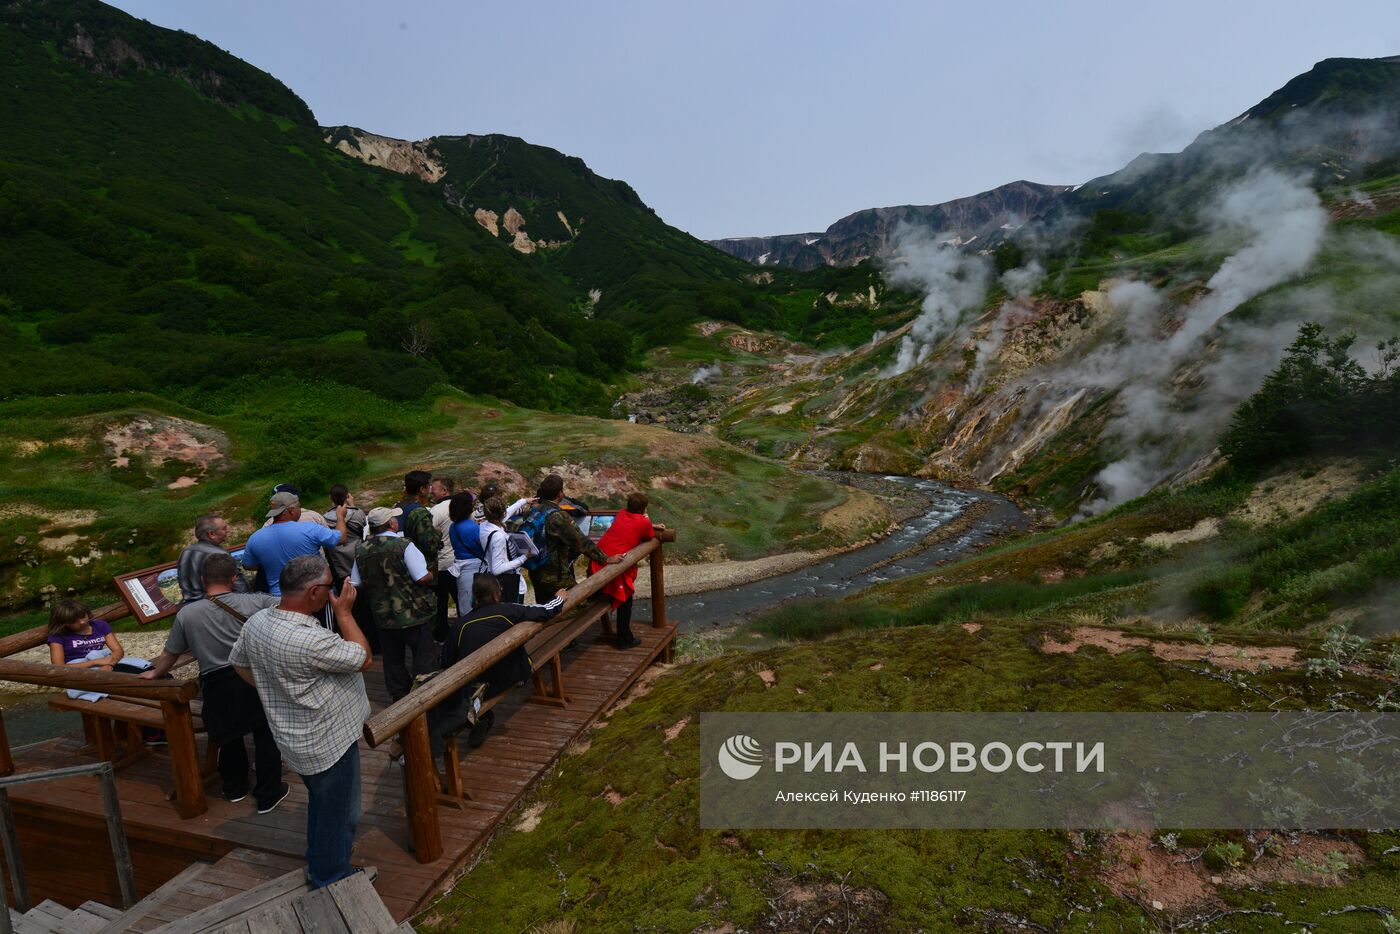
point(416, 832)
point(63, 831)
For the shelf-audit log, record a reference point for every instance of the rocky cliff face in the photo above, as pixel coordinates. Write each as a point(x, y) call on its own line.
point(968, 221)
point(407, 157)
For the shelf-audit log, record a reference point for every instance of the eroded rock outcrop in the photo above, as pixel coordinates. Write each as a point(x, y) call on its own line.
point(407, 157)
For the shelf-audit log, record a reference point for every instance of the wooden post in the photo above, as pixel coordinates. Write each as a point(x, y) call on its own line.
point(658, 590)
point(7, 761)
point(184, 759)
point(121, 853)
point(19, 885)
point(106, 737)
point(421, 786)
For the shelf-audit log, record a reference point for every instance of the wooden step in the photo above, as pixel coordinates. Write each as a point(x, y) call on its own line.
point(124, 921)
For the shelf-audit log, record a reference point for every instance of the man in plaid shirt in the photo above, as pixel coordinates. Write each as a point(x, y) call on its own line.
point(310, 684)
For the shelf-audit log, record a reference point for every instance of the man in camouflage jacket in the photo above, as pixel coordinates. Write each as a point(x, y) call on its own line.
point(397, 583)
point(416, 523)
point(564, 543)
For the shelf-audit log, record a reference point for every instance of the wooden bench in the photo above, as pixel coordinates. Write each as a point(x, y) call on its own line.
point(136, 714)
point(544, 651)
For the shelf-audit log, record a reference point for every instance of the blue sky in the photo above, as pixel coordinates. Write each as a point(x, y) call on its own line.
point(736, 119)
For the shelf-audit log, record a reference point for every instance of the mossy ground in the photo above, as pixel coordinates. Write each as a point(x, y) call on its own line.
point(617, 845)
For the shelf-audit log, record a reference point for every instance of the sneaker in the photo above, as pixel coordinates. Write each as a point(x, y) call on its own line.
point(234, 799)
point(281, 796)
point(152, 737)
point(630, 643)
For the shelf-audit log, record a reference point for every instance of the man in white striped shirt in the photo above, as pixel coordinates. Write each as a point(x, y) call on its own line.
point(311, 687)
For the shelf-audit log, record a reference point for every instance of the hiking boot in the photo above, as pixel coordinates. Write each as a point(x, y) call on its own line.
point(281, 796)
point(483, 726)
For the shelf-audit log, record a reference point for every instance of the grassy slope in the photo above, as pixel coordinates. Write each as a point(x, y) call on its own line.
point(607, 866)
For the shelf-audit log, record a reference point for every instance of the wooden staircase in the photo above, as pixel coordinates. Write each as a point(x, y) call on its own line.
point(282, 904)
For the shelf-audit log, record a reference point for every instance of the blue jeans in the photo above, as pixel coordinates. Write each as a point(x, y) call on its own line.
point(332, 811)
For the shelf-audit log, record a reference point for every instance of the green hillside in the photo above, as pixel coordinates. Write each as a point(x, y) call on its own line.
point(175, 220)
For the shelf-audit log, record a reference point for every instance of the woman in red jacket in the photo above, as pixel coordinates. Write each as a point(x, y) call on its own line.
point(629, 529)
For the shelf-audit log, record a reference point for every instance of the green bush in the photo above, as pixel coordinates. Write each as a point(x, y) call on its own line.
point(1222, 593)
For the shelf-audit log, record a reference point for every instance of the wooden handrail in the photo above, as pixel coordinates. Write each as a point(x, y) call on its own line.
point(33, 638)
point(61, 677)
point(397, 716)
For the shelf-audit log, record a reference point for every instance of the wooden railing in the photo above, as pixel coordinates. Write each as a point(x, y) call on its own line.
point(172, 696)
point(116, 835)
point(408, 717)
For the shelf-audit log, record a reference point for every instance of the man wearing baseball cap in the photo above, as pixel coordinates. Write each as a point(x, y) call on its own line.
point(397, 584)
point(272, 546)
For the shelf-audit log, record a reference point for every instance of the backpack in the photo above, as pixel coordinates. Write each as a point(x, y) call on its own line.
point(533, 526)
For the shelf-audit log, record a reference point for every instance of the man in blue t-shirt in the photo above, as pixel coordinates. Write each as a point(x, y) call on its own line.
point(272, 546)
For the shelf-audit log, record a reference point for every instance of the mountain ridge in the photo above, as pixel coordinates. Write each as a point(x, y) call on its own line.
point(866, 234)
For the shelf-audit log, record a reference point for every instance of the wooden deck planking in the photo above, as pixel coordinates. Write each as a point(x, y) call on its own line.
point(527, 739)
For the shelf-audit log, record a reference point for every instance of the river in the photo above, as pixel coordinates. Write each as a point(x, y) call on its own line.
point(916, 546)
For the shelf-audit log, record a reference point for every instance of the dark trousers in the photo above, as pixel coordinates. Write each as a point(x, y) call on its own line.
point(365, 620)
point(232, 711)
point(510, 587)
point(446, 587)
point(624, 620)
point(332, 813)
point(416, 639)
point(546, 584)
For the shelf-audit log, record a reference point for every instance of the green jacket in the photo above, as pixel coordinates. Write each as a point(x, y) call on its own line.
point(417, 527)
point(565, 543)
point(396, 601)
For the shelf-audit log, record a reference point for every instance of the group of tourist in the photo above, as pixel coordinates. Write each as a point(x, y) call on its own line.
point(431, 578)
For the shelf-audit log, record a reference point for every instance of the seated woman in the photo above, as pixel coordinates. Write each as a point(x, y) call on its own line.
point(78, 640)
point(628, 530)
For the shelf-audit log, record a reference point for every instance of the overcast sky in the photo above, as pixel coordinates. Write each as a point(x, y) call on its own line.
point(742, 118)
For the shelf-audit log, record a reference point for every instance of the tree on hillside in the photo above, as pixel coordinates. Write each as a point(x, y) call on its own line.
point(1318, 400)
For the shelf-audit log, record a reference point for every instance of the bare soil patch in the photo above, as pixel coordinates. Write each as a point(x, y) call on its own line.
point(806, 903)
point(1222, 655)
point(1180, 882)
point(162, 438)
point(586, 482)
point(530, 817)
point(504, 476)
point(1205, 529)
point(1292, 494)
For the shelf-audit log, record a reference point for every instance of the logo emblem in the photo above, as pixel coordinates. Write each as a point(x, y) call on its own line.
point(740, 757)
